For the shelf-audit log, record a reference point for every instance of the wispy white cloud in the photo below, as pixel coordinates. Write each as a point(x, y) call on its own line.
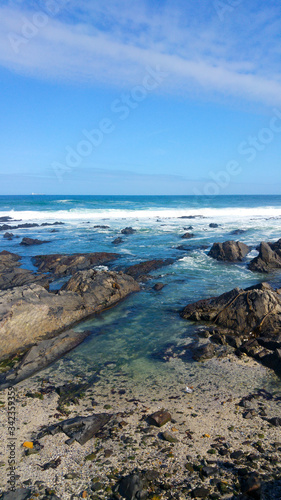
point(113, 42)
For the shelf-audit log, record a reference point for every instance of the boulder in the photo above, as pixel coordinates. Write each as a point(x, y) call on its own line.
point(187, 236)
point(253, 310)
point(213, 225)
point(253, 315)
point(117, 241)
point(30, 241)
point(29, 314)
point(128, 230)
point(231, 251)
point(143, 268)
point(159, 418)
point(8, 236)
point(158, 286)
point(64, 265)
point(269, 258)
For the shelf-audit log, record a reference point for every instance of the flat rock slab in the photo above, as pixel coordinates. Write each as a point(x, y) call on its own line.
point(42, 355)
point(12, 275)
point(64, 265)
point(79, 429)
point(29, 314)
point(31, 241)
point(159, 418)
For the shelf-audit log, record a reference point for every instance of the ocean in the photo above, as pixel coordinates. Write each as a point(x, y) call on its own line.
point(126, 340)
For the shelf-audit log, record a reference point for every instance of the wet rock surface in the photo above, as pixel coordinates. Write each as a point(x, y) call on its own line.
point(253, 314)
point(269, 258)
point(31, 241)
point(144, 268)
point(64, 265)
point(231, 251)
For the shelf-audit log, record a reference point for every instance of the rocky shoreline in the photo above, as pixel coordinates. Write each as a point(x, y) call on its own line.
point(215, 442)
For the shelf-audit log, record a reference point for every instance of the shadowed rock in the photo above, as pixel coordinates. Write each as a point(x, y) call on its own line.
point(269, 258)
point(128, 230)
point(231, 251)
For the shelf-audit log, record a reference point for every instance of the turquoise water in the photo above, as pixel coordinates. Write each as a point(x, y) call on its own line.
point(130, 334)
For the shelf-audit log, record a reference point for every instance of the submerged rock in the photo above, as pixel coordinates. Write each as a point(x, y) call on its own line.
point(30, 241)
point(269, 258)
point(232, 251)
point(64, 265)
point(8, 236)
point(31, 313)
point(117, 241)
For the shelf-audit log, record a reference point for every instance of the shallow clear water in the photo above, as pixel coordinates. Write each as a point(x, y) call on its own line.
point(131, 333)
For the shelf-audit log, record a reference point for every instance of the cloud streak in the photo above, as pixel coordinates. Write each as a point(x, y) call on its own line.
point(114, 42)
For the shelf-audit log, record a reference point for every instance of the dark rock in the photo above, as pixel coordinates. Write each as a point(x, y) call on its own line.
point(191, 217)
point(231, 251)
point(168, 436)
point(64, 265)
point(187, 235)
point(19, 494)
point(131, 487)
point(188, 228)
point(8, 236)
point(30, 241)
point(79, 429)
point(5, 218)
point(268, 259)
point(237, 454)
point(53, 464)
point(128, 230)
point(117, 241)
point(158, 286)
point(200, 492)
point(276, 421)
point(146, 267)
point(213, 225)
point(101, 227)
point(206, 351)
point(237, 231)
point(209, 471)
point(243, 311)
point(251, 485)
point(253, 311)
point(159, 418)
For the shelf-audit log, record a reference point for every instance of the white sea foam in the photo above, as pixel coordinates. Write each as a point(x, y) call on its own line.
point(226, 214)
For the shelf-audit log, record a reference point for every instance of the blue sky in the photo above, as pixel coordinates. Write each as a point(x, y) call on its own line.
point(119, 97)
